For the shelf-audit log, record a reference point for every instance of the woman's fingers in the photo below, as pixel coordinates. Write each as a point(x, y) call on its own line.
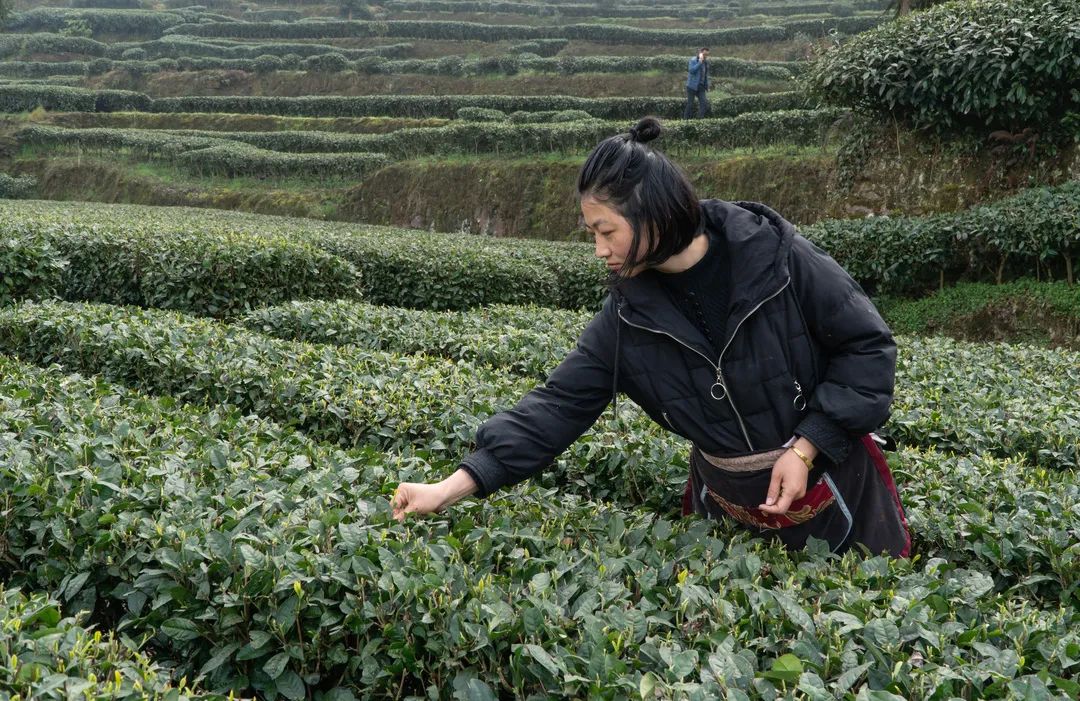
point(400, 501)
point(788, 484)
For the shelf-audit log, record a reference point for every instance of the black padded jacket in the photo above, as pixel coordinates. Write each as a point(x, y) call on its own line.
point(804, 353)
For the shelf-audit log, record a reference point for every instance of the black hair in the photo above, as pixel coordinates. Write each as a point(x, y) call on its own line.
point(647, 189)
point(703, 48)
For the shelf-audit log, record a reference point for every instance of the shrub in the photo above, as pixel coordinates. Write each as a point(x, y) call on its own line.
point(998, 63)
point(47, 654)
point(268, 64)
point(480, 114)
point(325, 63)
point(172, 267)
point(16, 187)
point(30, 268)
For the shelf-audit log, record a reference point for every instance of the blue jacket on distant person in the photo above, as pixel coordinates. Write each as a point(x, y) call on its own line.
point(697, 74)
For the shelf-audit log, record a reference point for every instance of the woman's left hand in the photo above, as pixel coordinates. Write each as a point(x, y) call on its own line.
point(788, 484)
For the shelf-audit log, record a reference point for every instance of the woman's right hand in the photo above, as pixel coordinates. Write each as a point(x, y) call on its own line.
point(417, 498)
point(420, 498)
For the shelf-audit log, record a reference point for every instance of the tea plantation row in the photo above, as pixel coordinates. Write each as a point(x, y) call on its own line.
point(953, 395)
point(23, 97)
point(211, 262)
point(255, 559)
point(950, 395)
point(750, 129)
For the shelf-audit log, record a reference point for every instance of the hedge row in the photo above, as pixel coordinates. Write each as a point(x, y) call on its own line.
point(421, 106)
point(307, 154)
point(208, 155)
point(518, 597)
point(450, 65)
point(525, 340)
point(137, 355)
point(100, 21)
point(747, 130)
point(49, 656)
point(347, 396)
point(172, 266)
point(16, 97)
point(1037, 229)
point(235, 122)
point(1044, 312)
point(569, 65)
point(49, 43)
point(25, 97)
point(997, 400)
point(649, 10)
point(400, 267)
point(180, 46)
point(462, 31)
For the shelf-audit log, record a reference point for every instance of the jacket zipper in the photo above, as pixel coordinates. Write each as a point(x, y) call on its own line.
point(719, 362)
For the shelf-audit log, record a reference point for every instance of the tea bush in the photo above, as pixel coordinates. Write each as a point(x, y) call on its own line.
point(172, 268)
point(255, 561)
point(996, 64)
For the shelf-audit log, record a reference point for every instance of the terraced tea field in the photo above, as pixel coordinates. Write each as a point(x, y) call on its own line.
point(213, 483)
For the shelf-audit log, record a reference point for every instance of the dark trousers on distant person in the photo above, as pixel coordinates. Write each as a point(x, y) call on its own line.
point(703, 103)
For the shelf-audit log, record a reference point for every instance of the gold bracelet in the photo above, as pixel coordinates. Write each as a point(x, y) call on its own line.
point(804, 457)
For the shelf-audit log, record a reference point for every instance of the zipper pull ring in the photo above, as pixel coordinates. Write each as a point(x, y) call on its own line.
point(800, 401)
point(719, 389)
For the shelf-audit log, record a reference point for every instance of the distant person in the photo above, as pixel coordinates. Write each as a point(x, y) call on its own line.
point(730, 329)
point(697, 84)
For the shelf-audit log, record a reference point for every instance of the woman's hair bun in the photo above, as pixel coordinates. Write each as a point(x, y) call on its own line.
point(645, 130)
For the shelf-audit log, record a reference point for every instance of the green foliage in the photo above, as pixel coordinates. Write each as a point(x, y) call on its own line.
point(485, 131)
point(26, 98)
point(603, 33)
point(993, 63)
point(571, 116)
point(99, 21)
point(422, 106)
point(608, 8)
point(48, 43)
point(30, 268)
point(23, 98)
point(573, 65)
point(209, 154)
point(159, 525)
point(76, 27)
point(1015, 235)
point(526, 340)
point(983, 401)
point(480, 114)
point(16, 187)
point(1025, 310)
point(325, 63)
point(993, 399)
point(49, 656)
point(399, 267)
point(169, 266)
point(541, 47)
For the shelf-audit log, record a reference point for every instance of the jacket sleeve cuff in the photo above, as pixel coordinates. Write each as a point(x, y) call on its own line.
point(826, 435)
point(485, 470)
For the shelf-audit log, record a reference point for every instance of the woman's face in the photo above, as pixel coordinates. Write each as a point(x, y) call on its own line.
point(611, 232)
